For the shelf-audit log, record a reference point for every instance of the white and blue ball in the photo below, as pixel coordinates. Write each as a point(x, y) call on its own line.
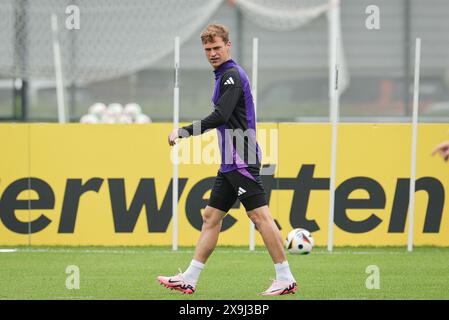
point(299, 241)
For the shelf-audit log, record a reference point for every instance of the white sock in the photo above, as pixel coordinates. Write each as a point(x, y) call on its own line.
point(193, 271)
point(283, 271)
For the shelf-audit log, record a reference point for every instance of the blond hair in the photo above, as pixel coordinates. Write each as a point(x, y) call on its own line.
point(215, 30)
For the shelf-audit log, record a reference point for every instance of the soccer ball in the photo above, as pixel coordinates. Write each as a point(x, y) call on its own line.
point(89, 118)
point(142, 118)
point(133, 109)
point(124, 118)
point(97, 109)
point(299, 241)
point(114, 109)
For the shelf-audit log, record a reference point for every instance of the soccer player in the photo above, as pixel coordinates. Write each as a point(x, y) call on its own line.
point(238, 176)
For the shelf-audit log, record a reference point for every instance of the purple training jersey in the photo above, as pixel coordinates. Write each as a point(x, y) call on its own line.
point(233, 117)
point(243, 119)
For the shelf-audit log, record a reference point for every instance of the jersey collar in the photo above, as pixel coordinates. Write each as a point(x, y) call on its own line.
point(223, 67)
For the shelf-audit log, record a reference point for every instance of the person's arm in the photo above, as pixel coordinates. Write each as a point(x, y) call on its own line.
point(442, 149)
point(221, 114)
point(231, 91)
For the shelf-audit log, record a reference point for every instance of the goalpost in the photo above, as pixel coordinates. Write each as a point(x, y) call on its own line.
point(58, 70)
point(334, 110)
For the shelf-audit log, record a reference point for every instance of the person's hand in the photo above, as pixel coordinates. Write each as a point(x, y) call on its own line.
point(442, 149)
point(173, 137)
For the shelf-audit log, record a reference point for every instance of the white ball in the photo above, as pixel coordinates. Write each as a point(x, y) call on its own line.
point(124, 118)
point(108, 118)
point(89, 118)
point(115, 109)
point(299, 241)
point(142, 118)
point(132, 109)
point(97, 108)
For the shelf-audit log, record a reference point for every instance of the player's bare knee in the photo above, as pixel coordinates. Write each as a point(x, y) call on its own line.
point(211, 218)
point(256, 217)
point(207, 219)
point(253, 219)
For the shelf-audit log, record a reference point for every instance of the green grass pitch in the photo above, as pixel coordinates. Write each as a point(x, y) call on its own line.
point(232, 273)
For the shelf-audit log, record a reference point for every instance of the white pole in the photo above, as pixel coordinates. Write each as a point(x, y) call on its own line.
point(58, 70)
point(255, 75)
point(254, 93)
point(175, 149)
point(334, 96)
point(414, 141)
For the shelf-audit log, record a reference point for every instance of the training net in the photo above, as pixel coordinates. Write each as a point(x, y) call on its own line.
point(291, 15)
point(128, 46)
point(117, 37)
point(114, 38)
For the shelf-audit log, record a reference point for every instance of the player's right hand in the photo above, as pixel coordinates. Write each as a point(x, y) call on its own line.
point(173, 137)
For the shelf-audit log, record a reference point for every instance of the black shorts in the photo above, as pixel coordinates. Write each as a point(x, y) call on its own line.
point(243, 184)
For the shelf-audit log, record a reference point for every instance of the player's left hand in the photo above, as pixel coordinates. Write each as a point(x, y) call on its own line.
point(173, 137)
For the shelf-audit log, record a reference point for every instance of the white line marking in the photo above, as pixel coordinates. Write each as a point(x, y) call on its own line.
point(75, 298)
point(190, 251)
point(8, 250)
